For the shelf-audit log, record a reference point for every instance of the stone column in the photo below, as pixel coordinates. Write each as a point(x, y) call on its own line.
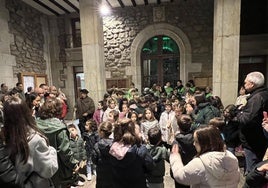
point(226, 49)
point(92, 49)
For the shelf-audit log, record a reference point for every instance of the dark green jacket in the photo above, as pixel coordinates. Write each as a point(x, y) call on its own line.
point(58, 137)
point(78, 147)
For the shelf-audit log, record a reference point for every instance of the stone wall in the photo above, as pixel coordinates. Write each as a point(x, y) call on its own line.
point(25, 25)
point(194, 18)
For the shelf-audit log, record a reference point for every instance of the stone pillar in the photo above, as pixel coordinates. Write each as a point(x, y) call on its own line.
point(92, 49)
point(226, 49)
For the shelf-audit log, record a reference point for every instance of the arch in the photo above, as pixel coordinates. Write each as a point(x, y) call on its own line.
point(161, 29)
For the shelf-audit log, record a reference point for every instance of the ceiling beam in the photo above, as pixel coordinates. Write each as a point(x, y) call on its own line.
point(71, 5)
point(146, 2)
point(133, 3)
point(109, 4)
point(121, 3)
point(61, 7)
point(46, 7)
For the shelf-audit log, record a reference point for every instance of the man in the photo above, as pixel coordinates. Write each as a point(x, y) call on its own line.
point(19, 89)
point(4, 90)
point(84, 108)
point(250, 118)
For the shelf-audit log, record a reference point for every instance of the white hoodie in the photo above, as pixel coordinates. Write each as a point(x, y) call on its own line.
point(211, 169)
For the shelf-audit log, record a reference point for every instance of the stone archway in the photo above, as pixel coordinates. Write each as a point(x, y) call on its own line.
point(162, 29)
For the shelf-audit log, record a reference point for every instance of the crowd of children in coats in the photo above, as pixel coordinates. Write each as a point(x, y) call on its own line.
point(126, 141)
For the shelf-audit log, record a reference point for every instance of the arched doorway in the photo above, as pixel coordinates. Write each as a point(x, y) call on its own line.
point(160, 58)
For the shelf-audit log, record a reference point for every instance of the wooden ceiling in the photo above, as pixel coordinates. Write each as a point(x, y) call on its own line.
point(60, 7)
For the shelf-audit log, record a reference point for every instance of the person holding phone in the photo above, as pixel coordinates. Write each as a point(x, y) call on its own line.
point(250, 119)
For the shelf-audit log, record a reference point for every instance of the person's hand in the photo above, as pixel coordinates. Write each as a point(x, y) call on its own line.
point(175, 149)
point(265, 124)
point(263, 168)
point(76, 168)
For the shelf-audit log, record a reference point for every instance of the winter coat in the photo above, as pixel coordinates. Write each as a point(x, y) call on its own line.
point(78, 148)
point(187, 150)
point(98, 116)
point(58, 137)
point(146, 125)
point(256, 179)
point(42, 163)
point(160, 154)
point(129, 165)
point(231, 134)
point(91, 139)
point(168, 119)
point(211, 169)
point(8, 174)
point(84, 105)
point(205, 112)
point(250, 118)
point(102, 159)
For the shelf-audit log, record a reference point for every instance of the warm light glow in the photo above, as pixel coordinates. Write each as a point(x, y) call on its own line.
point(105, 10)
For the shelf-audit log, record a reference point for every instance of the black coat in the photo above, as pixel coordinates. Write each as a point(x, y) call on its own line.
point(102, 159)
point(91, 139)
point(8, 173)
point(250, 119)
point(130, 171)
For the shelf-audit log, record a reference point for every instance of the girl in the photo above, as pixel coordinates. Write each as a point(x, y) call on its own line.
point(101, 156)
point(98, 114)
point(112, 105)
point(148, 121)
point(91, 138)
point(35, 161)
point(130, 160)
point(33, 101)
point(133, 116)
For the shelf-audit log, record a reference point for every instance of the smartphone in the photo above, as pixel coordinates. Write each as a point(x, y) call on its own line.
point(264, 114)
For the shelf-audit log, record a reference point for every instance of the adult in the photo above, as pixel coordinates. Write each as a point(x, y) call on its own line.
point(250, 119)
point(84, 109)
point(19, 89)
point(4, 90)
point(213, 166)
point(35, 161)
point(58, 135)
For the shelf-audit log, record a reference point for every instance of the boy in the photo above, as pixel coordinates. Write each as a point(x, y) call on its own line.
point(78, 147)
point(159, 154)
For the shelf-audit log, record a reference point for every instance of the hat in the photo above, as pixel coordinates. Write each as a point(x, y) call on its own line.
point(85, 91)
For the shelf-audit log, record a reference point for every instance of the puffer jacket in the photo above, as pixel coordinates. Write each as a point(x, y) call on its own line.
point(211, 169)
point(78, 147)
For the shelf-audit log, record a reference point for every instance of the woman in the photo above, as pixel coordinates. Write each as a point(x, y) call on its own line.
point(213, 166)
point(58, 135)
point(35, 161)
point(130, 160)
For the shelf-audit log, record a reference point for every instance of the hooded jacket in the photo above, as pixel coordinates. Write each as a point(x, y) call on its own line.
point(58, 137)
point(129, 165)
point(211, 169)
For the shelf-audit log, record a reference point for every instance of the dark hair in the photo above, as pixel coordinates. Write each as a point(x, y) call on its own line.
point(217, 122)
point(184, 122)
point(231, 111)
point(71, 126)
point(93, 125)
point(200, 98)
point(52, 108)
point(209, 139)
point(17, 124)
point(144, 114)
point(154, 136)
point(124, 132)
point(115, 113)
point(105, 129)
point(29, 99)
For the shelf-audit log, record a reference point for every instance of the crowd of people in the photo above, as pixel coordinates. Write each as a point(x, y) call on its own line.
point(126, 140)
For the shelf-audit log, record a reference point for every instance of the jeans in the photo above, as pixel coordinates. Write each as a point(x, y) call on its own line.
point(251, 159)
point(90, 167)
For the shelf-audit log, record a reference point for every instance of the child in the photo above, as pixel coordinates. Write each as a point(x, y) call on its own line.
point(112, 105)
point(167, 124)
point(185, 140)
point(79, 153)
point(148, 121)
point(113, 116)
point(133, 116)
point(91, 138)
point(159, 154)
point(101, 156)
point(98, 114)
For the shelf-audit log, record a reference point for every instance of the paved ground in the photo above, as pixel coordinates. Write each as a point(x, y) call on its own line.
point(168, 181)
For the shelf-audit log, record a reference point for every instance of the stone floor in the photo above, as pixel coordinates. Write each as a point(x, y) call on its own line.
point(168, 181)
